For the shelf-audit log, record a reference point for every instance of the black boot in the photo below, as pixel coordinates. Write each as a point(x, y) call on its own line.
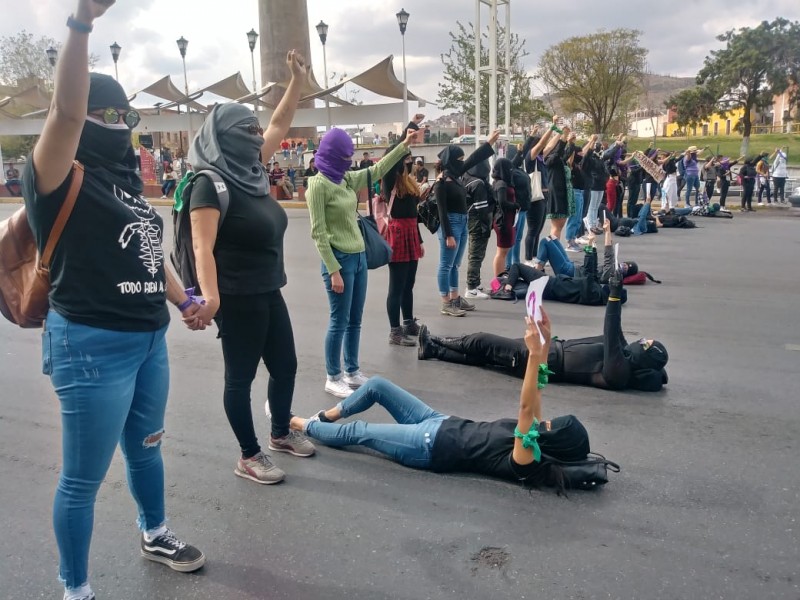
point(426, 346)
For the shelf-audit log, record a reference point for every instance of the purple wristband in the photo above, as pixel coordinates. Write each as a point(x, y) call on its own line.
point(186, 304)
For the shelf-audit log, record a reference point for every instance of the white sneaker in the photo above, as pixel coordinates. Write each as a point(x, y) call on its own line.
point(163, 197)
point(530, 263)
point(355, 380)
point(476, 293)
point(583, 241)
point(337, 387)
point(761, 204)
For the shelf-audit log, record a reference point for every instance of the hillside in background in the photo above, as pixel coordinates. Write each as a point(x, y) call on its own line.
point(661, 87)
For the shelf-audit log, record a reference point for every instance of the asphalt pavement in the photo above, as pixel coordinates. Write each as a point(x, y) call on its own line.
point(706, 505)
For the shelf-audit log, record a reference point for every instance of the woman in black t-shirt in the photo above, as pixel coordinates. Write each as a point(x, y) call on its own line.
point(401, 192)
point(606, 361)
point(240, 270)
point(511, 449)
point(103, 344)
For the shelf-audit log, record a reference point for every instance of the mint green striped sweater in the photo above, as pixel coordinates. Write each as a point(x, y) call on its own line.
point(333, 209)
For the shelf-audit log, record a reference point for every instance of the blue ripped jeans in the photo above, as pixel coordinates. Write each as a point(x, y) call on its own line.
point(408, 442)
point(519, 224)
point(553, 252)
point(113, 388)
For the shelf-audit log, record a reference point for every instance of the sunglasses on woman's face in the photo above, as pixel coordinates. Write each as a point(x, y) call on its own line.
point(112, 116)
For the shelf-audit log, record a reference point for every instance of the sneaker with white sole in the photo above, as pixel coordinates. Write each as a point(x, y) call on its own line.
point(355, 380)
point(573, 247)
point(582, 241)
point(294, 443)
point(476, 294)
point(451, 309)
point(337, 387)
point(259, 468)
point(463, 304)
point(169, 550)
point(87, 596)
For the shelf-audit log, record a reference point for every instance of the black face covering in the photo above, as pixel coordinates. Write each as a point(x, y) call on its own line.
point(655, 357)
point(567, 439)
point(501, 171)
point(451, 161)
point(105, 150)
point(482, 170)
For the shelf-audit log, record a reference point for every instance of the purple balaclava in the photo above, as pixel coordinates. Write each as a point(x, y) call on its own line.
point(335, 155)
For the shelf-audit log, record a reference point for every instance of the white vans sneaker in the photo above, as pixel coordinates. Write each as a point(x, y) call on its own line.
point(355, 380)
point(337, 387)
point(475, 294)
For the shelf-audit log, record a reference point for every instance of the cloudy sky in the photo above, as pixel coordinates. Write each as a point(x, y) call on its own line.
point(362, 33)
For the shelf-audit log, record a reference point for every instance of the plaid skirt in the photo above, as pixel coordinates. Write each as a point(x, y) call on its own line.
point(403, 236)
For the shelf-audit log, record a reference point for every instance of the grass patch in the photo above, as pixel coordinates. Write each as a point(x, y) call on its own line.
point(727, 145)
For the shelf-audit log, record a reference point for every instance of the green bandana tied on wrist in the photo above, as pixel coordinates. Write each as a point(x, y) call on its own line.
point(529, 440)
point(543, 373)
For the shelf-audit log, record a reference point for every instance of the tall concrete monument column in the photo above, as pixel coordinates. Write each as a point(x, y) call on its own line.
point(283, 26)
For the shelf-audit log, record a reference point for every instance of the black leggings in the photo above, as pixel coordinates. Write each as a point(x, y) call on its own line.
point(402, 276)
point(724, 185)
point(747, 194)
point(780, 189)
point(535, 220)
point(254, 328)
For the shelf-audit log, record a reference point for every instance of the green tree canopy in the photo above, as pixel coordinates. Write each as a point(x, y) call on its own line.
point(598, 75)
point(23, 57)
point(692, 106)
point(755, 65)
point(457, 91)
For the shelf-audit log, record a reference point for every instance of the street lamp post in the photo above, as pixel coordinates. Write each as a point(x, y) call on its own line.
point(52, 58)
point(183, 43)
point(322, 31)
point(402, 21)
point(115, 50)
point(252, 36)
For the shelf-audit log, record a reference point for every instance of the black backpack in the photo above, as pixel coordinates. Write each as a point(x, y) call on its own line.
point(182, 255)
point(428, 210)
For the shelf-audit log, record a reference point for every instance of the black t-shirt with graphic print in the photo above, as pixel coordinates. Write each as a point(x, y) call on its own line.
point(107, 270)
point(249, 246)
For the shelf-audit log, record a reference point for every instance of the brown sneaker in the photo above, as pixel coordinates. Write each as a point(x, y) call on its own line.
point(451, 309)
point(398, 338)
point(294, 443)
point(260, 469)
point(464, 304)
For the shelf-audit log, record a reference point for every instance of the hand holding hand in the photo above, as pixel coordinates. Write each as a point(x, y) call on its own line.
point(204, 314)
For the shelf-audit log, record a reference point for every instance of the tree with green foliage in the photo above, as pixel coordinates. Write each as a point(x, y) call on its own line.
point(457, 91)
point(692, 106)
point(598, 75)
point(24, 58)
point(754, 66)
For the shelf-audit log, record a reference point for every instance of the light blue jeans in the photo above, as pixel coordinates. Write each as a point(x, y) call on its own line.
point(408, 442)
point(595, 199)
point(113, 388)
point(574, 222)
point(519, 224)
point(641, 223)
point(553, 252)
point(450, 258)
point(344, 326)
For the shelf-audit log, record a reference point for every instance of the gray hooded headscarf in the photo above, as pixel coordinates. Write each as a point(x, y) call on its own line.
point(224, 145)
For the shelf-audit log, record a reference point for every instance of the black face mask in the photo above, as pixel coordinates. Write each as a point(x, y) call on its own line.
point(105, 144)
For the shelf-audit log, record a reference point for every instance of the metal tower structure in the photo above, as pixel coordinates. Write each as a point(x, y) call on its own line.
point(492, 69)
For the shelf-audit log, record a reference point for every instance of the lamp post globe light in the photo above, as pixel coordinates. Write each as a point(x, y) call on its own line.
point(183, 43)
point(252, 36)
point(52, 56)
point(115, 50)
point(322, 32)
point(402, 21)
